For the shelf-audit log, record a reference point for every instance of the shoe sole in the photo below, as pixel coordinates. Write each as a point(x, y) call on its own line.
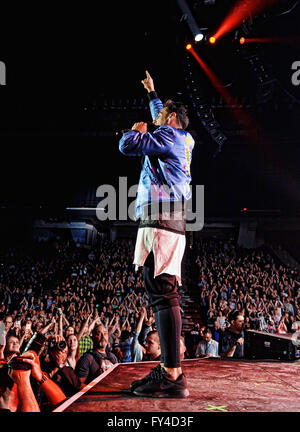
point(181, 395)
point(127, 391)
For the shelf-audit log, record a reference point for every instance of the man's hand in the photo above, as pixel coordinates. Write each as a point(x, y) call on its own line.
point(19, 376)
point(148, 83)
point(28, 334)
point(32, 358)
point(150, 320)
point(59, 357)
point(58, 338)
point(140, 127)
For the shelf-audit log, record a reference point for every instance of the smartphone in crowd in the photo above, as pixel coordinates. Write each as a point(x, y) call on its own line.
point(18, 323)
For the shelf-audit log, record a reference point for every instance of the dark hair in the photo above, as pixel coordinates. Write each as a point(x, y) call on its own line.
point(125, 335)
point(153, 332)
point(233, 315)
point(96, 327)
point(207, 331)
point(180, 110)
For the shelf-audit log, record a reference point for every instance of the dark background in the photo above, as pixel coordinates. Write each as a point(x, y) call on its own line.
point(73, 81)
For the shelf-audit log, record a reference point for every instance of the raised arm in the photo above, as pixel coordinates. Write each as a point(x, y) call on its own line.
point(83, 328)
point(137, 142)
point(155, 103)
point(60, 325)
point(148, 83)
point(45, 329)
point(142, 317)
point(65, 319)
point(137, 349)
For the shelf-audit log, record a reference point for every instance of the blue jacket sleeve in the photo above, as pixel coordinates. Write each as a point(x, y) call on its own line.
point(159, 142)
point(156, 106)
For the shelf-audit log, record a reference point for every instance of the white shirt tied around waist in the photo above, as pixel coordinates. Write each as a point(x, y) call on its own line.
point(167, 247)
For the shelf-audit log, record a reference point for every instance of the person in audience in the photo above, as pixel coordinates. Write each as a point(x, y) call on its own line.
point(232, 342)
point(9, 326)
point(208, 347)
point(95, 361)
point(26, 398)
point(11, 348)
point(58, 368)
point(125, 346)
point(217, 332)
point(144, 326)
point(282, 328)
point(73, 350)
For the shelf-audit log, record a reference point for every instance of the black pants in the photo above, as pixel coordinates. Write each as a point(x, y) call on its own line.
point(163, 296)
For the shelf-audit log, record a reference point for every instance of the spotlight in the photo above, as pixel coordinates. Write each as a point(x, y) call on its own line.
point(242, 40)
point(188, 17)
point(212, 40)
point(188, 46)
point(199, 37)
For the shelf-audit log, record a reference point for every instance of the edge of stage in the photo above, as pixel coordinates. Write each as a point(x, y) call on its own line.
point(215, 385)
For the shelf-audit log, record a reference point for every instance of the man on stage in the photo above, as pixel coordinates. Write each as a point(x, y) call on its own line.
point(164, 186)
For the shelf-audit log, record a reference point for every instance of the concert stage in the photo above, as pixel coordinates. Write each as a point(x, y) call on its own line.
point(216, 385)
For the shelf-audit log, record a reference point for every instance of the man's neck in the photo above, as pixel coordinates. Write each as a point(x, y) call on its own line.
point(101, 350)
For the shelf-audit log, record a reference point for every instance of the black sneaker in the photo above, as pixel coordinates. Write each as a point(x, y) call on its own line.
point(163, 387)
point(155, 372)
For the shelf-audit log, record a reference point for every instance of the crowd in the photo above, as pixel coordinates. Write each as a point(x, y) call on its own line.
point(242, 289)
point(73, 313)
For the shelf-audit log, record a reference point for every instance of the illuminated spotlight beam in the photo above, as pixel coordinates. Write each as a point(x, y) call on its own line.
point(241, 116)
point(212, 77)
point(198, 35)
point(265, 146)
point(275, 40)
point(242, 10)
point(202, 109)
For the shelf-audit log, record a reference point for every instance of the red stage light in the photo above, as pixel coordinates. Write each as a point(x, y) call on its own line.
point(242, 40)
point(212, 40)
point(188, 46)
point(245, 208)
point(278, 40)
point(239, 12)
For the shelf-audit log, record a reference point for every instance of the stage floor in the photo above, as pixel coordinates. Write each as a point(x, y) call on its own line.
point(215, 385)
